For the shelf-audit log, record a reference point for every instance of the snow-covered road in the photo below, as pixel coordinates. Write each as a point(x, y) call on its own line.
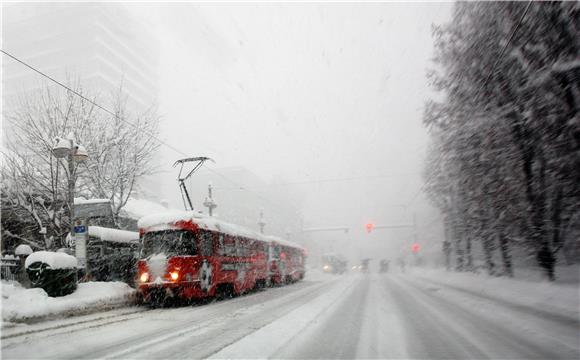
point(354, 316)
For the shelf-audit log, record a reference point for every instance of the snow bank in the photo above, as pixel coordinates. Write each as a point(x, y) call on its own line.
point(56, 260)
point(113, 235)
point(20, 304)
point(551, 297)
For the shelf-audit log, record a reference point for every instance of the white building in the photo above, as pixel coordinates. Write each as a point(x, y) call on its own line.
point(100, 45)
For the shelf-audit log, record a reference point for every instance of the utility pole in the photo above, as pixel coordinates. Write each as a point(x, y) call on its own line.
point(209, 203)
point(71, 187)
point(415, 227)
point(345, 229)
point(261, 221)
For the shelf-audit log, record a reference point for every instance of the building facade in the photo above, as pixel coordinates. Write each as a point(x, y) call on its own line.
point(101, 47)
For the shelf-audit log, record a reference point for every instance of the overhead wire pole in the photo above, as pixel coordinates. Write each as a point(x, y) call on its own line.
point(333, 228)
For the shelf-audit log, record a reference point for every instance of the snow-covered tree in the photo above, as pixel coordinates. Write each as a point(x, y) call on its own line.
point(34, 187)
point(510, 75)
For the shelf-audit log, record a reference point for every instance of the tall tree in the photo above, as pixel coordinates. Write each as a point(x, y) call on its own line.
point(510, 74)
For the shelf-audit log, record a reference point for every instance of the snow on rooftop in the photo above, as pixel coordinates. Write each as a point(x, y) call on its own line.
point(19, 303)
point(113, 235)
point(165, 220)
point(55, 260)
point(81, 201)
point(23, 249)
point(138, 208)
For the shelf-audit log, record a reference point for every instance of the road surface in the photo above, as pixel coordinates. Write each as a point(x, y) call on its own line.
point(342, 317)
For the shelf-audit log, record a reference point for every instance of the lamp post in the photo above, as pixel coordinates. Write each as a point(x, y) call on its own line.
point(209, 203)
point(261, 221)
point(73, 152)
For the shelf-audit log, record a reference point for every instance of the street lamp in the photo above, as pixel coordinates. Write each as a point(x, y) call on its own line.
point(73, 152)
point(209, 203)
point(261, 221)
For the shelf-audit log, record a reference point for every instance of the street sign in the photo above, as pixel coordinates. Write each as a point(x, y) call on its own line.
point(81, 237)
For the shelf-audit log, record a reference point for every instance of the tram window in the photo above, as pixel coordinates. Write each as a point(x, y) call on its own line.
point(243, 247)
point(229, 246)
point(169, 242)
point(221, 245)
point(206, 243)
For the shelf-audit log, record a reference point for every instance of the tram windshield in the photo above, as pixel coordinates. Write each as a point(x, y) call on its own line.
point(169, 242)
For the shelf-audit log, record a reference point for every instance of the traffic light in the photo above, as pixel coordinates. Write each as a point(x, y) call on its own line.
point(369, 226)
point(415, 248)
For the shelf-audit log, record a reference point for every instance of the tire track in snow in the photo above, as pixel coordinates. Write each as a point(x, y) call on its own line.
point(290, 335)
point(465, 331)
point(524, 309)
point(382, 335)
point(99, 342)
point(217, 329)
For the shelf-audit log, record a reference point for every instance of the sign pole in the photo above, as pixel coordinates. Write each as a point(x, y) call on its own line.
point(81, 234)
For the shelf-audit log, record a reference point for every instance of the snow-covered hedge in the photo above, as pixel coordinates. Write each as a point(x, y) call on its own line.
point(23, 249)
point(56, 260)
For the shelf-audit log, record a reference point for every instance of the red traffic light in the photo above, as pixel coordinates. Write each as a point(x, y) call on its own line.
point(369, 227)
point(415, 248)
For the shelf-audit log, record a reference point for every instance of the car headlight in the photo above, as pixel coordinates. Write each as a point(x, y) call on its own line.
point(174, 275)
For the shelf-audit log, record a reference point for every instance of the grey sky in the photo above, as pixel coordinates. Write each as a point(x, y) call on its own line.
point(299, 92)
point(302, 92)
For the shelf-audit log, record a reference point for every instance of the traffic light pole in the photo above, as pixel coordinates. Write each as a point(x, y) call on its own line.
point(335, 228)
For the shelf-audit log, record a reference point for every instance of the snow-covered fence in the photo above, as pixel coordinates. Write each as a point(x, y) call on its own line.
point(9, 266)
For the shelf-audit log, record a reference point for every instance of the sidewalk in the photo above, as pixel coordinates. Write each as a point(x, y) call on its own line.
point(557, 298)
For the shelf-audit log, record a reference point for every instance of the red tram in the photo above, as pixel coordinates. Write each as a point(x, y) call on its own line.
point(187, 255)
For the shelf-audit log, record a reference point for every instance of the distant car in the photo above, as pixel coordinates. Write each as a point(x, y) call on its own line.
point(364, 265)
point(384, 266)
point(333, 263)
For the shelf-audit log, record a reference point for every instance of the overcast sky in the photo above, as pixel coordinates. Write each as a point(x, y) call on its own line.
point(298, 93)
point(302, 92)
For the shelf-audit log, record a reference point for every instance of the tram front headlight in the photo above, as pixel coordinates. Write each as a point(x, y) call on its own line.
point(174, 275)
point(144, 277)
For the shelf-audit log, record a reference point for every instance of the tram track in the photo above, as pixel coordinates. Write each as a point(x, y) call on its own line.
point(141, 330)
point(72, 324)
point(219, 328)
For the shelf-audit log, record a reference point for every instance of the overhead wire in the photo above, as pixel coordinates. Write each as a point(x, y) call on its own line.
point(150, 134)
point(317, 181)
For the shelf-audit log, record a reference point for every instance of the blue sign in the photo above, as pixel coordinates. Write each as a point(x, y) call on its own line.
point(80, 229)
